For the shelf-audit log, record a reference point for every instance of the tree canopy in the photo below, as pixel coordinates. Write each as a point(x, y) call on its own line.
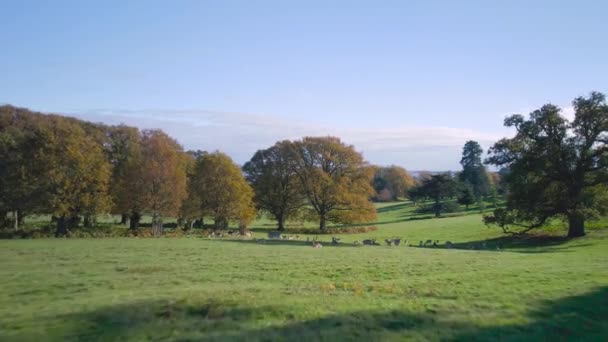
point(277, 188)
point(223, 192)
point(438, 188)
point(335, 179)
point(556, 168)
point(394, 180)
point(163, 176)
point(473, 171)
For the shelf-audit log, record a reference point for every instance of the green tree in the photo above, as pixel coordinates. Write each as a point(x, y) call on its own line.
point(336, 180)
point(276, 186)
point(473, 171)
point(438, 188)
point(224, 193)
point(556, 168)
point(466, 195)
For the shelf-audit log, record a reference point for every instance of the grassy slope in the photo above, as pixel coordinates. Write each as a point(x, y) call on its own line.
point(199, 289)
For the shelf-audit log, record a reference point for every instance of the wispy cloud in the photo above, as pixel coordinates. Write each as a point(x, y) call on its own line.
point(240, 135)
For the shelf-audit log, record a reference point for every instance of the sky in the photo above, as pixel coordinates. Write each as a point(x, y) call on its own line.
point(405, 82)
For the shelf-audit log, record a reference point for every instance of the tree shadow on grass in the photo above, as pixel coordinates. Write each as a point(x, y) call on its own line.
point(577, 318)
point(522, 244)
point(582, 317)
point(394, 207)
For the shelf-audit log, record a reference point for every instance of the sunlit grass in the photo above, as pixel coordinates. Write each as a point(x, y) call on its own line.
point(212, 289)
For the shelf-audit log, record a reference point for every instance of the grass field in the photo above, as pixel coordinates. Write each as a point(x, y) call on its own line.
point(183, 289)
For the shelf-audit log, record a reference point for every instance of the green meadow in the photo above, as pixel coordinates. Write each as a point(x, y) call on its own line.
point(489, 287)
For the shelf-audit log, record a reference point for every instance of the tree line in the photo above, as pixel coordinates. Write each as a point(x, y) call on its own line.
point(76, 170)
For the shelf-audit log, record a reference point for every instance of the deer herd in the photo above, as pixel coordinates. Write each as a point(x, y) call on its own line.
point(316, 243)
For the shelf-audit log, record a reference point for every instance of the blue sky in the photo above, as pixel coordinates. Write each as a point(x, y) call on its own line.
point(406, 83)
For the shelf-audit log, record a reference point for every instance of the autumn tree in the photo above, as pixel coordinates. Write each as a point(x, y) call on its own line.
point(394, 179)
point(78, 173)
point(222, 190)
point(555, 168)
point(277, 189)
point(473, 171)
point(124, 153)
point(163, 176)
point(22, 172)
point(335, 179)
point(190, 210)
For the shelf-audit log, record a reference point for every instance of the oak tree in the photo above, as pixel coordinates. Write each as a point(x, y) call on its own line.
point(556, 168)
point(162, 171)
point(223, 192)
point(277, 189)
point(336, 180)
point(394, 179)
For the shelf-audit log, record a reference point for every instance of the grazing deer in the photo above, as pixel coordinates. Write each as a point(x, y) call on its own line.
point(369, 242)
point(317, 245)
point(274, 235)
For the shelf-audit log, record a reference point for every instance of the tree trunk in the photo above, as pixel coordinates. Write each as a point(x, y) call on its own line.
point(124, 218)
point(73, 221)
point(157, 224)
point(322, 224)
point(576, 225)
point(15, 220)
point(20, 217)
point(180, 223)
point(3, 220)
point(134, 221)
point(242, 228)
point(221, 223)
point(281, 222)
point(89, 221)
point(62, 229)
